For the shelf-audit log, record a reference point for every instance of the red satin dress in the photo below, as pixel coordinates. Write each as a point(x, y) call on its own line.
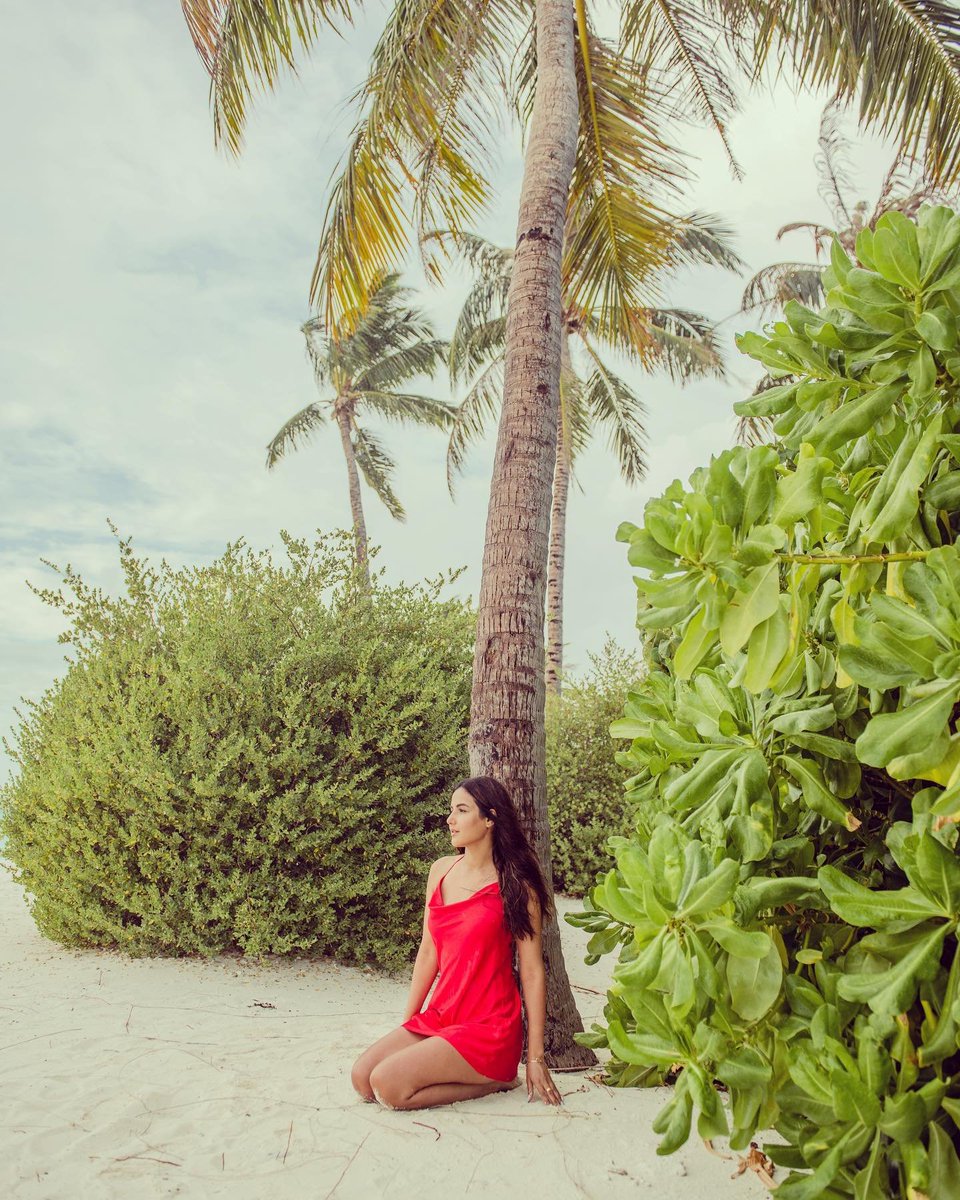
point(476, 1004)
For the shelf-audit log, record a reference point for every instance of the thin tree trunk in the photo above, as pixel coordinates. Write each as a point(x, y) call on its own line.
point(558, 535)
point(506, 725)
point(356, 503)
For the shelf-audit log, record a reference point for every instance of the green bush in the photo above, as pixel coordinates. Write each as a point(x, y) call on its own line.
point(245, 756)
point(584, 783)
point(787, 918)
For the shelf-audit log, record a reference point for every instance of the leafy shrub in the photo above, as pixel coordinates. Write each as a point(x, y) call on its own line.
point(244, 755)
point(787, 916)
point(584, 783)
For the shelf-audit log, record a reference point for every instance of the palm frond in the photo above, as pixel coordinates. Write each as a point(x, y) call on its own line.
point(404, 408)
point(901, 56)
point(832, 162)
point(429, 113)
point(683, 343)
point(574, 417)
point(701, 239)
point(614, 406)
point(246, 44)
point(480, 330)
point(617, 237)
point(422, 358)
point(480, 404)
point(391, 325)
point(476, 341)
point(376, 466)
point(295, 432)
point(772, 287)
point(822, 235)
point(684, 40)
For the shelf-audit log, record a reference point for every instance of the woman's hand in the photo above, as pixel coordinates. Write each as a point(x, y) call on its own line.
point(539, 1083)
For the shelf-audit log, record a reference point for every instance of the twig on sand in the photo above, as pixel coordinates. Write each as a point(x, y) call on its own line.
point(710, 1147)
point(55, 1033)
point(223, 1160)
point(593, 991)
point(347, 1167)
point(126, 1027)
point(289, 1137)
point(168, 1162)
point(433, 1127)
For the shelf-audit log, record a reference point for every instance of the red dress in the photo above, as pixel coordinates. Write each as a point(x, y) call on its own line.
point(475, 1005)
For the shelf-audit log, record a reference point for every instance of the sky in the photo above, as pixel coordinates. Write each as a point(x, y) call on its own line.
point(150, 324)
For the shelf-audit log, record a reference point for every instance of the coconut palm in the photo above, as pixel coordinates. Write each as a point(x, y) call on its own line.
point(365, 371)
point(596, 116)
point(598, 401)
point(905, 187)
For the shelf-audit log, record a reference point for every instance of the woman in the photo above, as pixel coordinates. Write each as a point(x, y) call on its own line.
point(479, 901)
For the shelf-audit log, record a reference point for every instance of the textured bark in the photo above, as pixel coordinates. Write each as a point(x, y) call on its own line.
point(353, 477)
point(506, 727)
point(558, 537)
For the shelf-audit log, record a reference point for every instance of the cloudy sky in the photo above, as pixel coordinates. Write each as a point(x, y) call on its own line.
point(154, 289)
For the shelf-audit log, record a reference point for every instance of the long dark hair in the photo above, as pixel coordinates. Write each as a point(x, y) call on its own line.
point(517, 865)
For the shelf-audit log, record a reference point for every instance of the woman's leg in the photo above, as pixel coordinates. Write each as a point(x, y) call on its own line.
point(430, 1074)
point(397, 1039)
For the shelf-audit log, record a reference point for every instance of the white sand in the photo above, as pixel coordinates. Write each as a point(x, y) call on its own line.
point(126, 1078)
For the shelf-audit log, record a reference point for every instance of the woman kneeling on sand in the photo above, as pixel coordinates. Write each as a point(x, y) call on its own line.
point(479, 901)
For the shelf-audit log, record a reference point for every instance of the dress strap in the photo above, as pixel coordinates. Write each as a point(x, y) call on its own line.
point(450, 868)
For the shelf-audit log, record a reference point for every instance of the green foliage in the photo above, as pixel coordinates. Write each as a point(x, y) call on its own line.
point(247, 755)
point(584, 784)
point(787, 913)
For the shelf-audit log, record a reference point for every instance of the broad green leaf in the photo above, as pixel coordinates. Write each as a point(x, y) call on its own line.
point(767, 646)
point(890, 735)
point(740, 942)
point(902, 504)
point(889, 992)
point(853, 418)
point(852, 1100)
point(816, 794)
point(944, 1163)
point(754, 983)
point(870, 909)
point(747, 609)
point(695, 644)
point(745, 1068)
point(711, 892)
point(799, 492)
point(673, 1121)
point(640, 1048)
point(938, 872)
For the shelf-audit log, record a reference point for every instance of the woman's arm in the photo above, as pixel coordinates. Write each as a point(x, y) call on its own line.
point(533, 982)
point(425, 966)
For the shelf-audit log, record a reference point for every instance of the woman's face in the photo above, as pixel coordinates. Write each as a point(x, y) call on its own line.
point(466, 823)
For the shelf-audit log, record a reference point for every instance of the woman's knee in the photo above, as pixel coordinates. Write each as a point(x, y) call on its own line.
point(383, 1084)
point(360, 1078)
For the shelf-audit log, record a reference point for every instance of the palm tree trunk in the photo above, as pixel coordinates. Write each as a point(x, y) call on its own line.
point(356, 503)
point(558, 536)
point(506, 720)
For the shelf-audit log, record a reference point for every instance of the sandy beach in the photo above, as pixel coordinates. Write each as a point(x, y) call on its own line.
point(169, 1077)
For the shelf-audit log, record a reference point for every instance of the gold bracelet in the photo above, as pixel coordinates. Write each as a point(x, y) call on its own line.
point(533, 1060)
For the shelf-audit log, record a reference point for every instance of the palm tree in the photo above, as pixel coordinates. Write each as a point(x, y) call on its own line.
point(905, 187)
point(675, 340)
point(392, 343)
point(596, 116)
